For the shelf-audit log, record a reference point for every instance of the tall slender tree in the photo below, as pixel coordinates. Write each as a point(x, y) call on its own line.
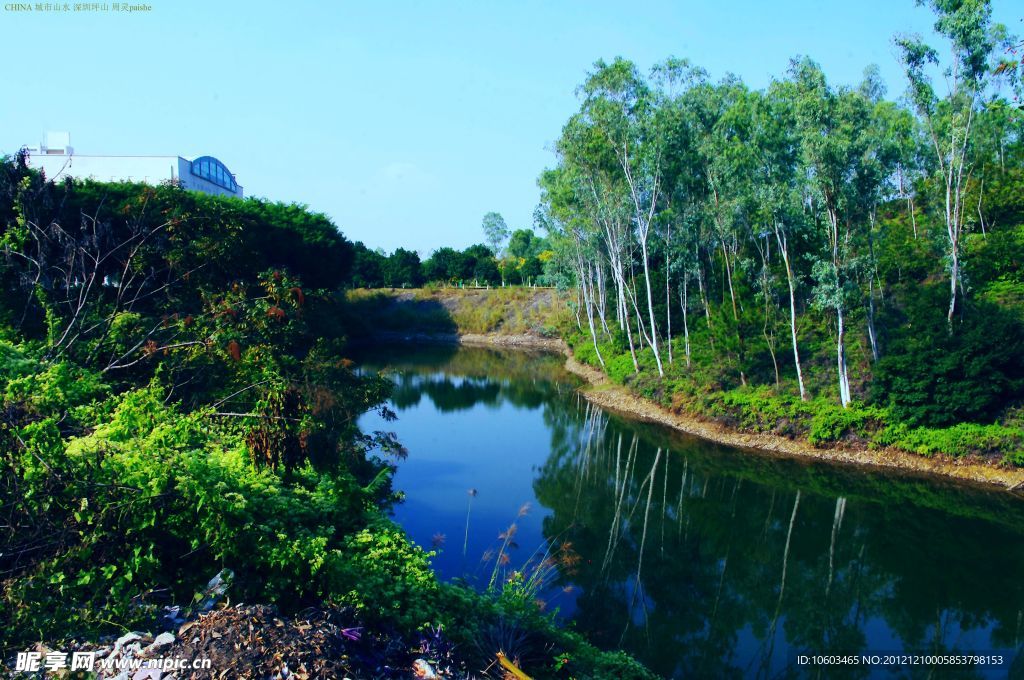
point(834, 148)
point(620, 105)
point(951, 119)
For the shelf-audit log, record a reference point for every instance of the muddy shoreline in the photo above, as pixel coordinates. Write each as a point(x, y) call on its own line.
point(602, 392)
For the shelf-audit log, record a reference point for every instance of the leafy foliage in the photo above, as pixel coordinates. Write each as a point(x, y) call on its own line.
point(176, 400)
point(933, 375)
point(742, 253)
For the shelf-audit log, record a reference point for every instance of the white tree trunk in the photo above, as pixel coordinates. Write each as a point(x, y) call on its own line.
point(844, 380)
point(686, 324)
point(650, 306)
point(668, 299)
point(780, 236)
point(588, 301)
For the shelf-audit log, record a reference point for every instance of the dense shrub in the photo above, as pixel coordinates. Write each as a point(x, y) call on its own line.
point(619, 367)
point(933, 374)
point(831, 422)
point(959, 440)
point(821, 420)
point(194, 411)
point(153, 499)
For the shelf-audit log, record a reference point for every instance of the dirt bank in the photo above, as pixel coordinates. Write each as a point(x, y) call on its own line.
point(618, 399)
point(513, 341)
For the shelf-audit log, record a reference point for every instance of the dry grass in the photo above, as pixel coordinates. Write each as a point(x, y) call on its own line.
point(507, 311)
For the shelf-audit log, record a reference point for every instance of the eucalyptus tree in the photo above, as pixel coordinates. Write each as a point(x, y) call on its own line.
point(997, 128)
point(720, 131)
point(835, 153)
point(495, 230)
point(888, 133)
point(618, 102)
point(683, 185)
point(908, 152)
point(496, 233)
point(685, 262)
point(558, 268)
point(777, 185)
point(600, 193)
point(566, 223)
point(950, 120)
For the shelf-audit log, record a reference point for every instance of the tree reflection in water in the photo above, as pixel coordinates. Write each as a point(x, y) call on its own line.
point(706, 561)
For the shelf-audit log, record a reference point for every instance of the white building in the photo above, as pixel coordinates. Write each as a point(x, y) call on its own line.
point(56, 157)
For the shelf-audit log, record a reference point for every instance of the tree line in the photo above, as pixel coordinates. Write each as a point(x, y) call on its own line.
point(749, 229)
point(510, 258)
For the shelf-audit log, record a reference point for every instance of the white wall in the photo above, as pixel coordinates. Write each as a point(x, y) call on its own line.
point(147, 169)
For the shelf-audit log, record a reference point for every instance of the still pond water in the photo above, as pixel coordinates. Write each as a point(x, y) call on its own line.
point(699, 559)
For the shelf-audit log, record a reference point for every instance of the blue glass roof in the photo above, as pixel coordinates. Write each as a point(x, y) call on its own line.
point(212, 170)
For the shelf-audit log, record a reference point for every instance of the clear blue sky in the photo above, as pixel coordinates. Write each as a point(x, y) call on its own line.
point(403, 121)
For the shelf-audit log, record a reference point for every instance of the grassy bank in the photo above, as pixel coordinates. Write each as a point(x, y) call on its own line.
point(536, 312)
point(820, 423)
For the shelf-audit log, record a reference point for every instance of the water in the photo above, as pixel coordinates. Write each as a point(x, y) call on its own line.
point(700, 559)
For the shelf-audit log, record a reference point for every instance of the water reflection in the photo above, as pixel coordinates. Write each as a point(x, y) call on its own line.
point(706, 561)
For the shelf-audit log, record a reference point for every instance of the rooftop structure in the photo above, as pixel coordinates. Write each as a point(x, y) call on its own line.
point(57, 158)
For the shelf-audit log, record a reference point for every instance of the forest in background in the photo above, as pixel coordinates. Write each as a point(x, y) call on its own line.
point(511, 257)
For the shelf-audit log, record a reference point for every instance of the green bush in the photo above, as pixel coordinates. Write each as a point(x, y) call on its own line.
point(619, 367)
point(960, 440)
point(383, 576)
point(154, 498)
point(934, 375)
point(755, 409)
point(831, 422)
point(54, 387)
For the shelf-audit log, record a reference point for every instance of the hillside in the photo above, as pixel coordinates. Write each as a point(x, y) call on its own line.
point(515, 316)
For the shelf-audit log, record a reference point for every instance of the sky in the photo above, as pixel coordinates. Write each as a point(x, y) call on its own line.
point(404, 122)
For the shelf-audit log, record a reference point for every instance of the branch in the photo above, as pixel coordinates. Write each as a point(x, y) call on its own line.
point(114, 367)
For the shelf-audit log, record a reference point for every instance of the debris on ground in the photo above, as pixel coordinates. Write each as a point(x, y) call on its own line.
point(257, 642)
